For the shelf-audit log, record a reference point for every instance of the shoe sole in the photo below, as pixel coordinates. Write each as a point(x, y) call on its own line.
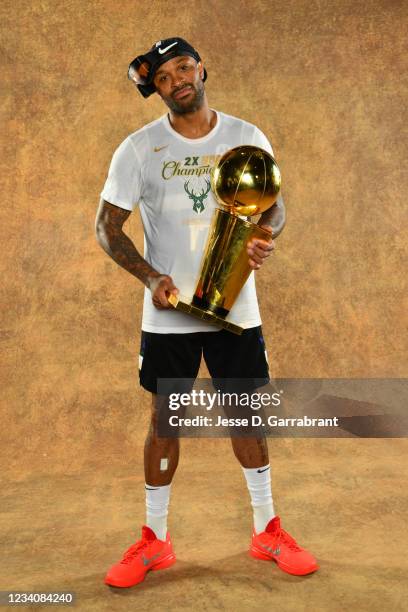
point(162, 564)
point(258, 554)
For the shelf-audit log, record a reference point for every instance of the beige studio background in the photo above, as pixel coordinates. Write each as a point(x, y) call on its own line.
point(326, 81)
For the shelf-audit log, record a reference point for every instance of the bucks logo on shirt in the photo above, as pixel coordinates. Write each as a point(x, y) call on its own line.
point(197, 192)
point(198, 169)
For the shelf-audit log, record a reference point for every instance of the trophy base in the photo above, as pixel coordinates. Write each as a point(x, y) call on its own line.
point(204, 315)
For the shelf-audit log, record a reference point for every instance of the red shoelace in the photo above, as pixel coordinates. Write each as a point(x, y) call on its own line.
point(285, 538)
point(134, 550)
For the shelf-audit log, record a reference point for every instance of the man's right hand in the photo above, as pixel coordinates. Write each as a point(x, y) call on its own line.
point(160, 286)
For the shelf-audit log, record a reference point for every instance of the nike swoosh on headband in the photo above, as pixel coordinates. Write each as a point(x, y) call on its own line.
point(161, 51)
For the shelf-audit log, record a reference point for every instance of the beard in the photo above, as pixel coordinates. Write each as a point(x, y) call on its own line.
point(193, 104)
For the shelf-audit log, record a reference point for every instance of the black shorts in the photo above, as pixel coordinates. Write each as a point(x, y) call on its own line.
point(227, 356)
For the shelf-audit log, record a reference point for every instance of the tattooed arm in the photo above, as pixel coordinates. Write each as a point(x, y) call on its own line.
point(273, 220)
point(110, 235)
point(274, 217)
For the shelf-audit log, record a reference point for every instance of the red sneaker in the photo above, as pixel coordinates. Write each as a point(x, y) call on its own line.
point(147, 554)
point(274, 543)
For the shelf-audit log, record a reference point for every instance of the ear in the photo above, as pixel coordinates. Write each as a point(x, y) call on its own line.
point(200, 66)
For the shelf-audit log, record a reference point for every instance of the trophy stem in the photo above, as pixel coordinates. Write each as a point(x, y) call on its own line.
point(225, 267)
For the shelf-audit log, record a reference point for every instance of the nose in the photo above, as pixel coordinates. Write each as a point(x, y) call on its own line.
point(177, 81)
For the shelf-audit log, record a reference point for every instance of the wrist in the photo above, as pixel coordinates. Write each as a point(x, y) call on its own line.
point(151, 278)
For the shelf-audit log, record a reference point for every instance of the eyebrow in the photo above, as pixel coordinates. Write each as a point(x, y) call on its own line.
point(182, 58)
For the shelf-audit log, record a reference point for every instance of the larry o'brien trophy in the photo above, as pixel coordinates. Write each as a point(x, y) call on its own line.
point(246, 181)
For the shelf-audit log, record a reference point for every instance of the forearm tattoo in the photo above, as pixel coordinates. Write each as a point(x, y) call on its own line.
point(118, 245)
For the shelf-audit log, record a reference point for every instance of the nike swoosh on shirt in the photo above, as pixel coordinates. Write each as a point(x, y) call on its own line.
point(161, 51)
point(260, 471)
point(157, 149)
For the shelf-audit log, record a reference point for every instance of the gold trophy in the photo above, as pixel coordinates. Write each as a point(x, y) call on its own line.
point(246, 181)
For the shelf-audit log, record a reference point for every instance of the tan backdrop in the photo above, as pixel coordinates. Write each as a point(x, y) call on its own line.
point(324, 81)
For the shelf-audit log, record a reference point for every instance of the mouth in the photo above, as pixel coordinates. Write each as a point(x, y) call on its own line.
point(182, 93)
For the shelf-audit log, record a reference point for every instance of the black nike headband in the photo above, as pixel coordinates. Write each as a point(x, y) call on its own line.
point(143, 68)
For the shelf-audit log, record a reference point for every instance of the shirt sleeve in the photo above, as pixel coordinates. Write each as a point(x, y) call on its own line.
point(260, 140)
point(124, 183)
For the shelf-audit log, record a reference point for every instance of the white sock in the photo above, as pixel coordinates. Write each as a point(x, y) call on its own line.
point(259, 487)
point(157, 502)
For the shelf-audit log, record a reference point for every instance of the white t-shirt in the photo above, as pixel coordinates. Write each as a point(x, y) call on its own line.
point(167, 175)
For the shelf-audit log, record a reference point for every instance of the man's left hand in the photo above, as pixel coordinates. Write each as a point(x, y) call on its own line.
point(258, 250)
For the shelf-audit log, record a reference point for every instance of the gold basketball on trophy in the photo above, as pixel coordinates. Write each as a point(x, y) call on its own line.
point(246, 180)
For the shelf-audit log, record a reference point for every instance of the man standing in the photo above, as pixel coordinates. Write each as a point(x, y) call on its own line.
point(164, 168)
